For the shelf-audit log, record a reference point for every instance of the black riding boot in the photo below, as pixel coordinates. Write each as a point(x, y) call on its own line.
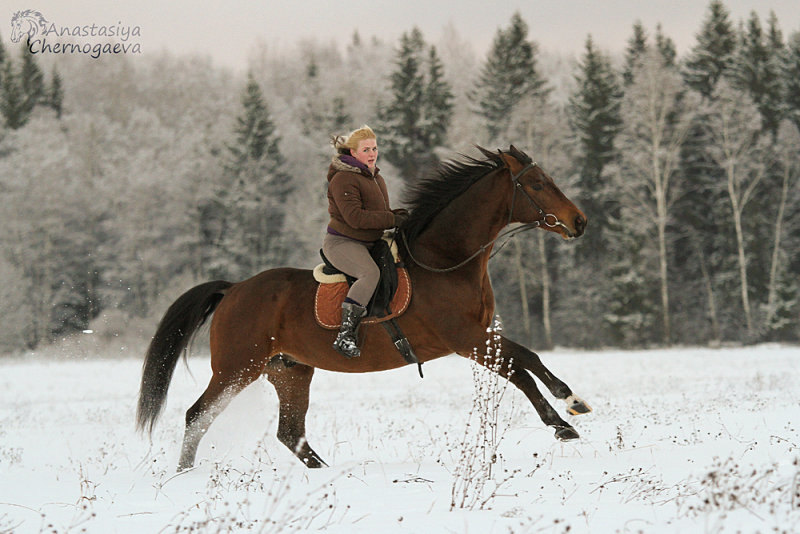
point(347, 341)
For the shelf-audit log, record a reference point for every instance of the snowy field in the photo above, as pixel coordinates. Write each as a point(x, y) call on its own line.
point(689, 440)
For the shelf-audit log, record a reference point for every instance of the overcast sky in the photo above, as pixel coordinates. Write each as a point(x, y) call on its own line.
point(229, 30)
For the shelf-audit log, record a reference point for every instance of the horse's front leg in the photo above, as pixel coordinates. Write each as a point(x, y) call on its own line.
point(520, 377)
point(531, 361)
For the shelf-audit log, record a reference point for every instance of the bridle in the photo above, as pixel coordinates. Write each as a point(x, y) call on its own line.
point(518, 186)
point(547, 219)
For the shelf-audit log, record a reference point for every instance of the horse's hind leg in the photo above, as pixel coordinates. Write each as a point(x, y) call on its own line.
point(292, 382)
point(531, 361)
point(219, 393)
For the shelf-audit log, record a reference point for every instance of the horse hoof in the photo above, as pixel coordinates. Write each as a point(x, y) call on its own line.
point(313, 461)
point(576, 405)
point(566, 433)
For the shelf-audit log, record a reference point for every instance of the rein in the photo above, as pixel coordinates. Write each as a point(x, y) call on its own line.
point(510, 233)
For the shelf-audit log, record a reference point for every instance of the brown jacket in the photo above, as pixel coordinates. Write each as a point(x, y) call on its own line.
point(358, 202)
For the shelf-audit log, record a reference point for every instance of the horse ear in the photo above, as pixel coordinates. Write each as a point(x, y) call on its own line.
point(511, 161)
point(487, 153)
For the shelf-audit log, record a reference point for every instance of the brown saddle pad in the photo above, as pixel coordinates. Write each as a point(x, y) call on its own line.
point(329, 298)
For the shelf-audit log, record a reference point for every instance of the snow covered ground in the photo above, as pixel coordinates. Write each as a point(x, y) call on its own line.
point(683, 440)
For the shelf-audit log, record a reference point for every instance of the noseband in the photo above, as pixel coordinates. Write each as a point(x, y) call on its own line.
point(547, 219)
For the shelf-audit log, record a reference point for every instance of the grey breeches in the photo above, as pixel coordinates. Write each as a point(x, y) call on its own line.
point(352, 257)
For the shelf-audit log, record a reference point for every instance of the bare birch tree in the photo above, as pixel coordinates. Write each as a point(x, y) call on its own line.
point(540, 127)
point(655, 126)
point(732, 129)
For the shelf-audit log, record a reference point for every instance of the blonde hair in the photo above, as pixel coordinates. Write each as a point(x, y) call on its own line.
point(344, 145)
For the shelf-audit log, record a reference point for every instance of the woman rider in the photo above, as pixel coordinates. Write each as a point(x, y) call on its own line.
point(358, 203)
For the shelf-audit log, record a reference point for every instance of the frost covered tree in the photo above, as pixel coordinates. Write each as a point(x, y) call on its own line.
point(731, 128)
point(666, 46)
point(508, 74)
point(21, 88)
point(415, 121)
point(403, 142)
point(437, 102)
point(755, 69)
point(656, 124)
point(705, 248)
point(12, 99)
point(538, 126)
point(637, 47)
point(320, 113)
point(791, 76)
point(250, 200)
point(55, 94)
point(31, 82)
point(710, 57)
point(594, 116)
point(783, 297)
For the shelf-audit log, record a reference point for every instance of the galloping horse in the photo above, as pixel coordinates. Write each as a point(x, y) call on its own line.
point(265, 325)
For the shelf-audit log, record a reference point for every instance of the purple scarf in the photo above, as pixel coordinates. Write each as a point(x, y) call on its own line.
point(353, 162)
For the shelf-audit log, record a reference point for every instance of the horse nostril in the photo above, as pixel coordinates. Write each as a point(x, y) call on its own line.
point(580, 224)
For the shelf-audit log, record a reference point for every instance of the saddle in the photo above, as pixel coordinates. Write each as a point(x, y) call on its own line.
point(390, 300)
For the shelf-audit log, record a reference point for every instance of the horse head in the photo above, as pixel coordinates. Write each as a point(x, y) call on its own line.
point(536, 198)
point(26, 23)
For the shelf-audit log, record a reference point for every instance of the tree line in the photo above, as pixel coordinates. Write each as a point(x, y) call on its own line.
point(126, 181)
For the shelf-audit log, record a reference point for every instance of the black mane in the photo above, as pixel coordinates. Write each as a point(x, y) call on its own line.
point(431, 195)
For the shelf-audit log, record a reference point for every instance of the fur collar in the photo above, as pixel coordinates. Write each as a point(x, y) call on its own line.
point(338, 165)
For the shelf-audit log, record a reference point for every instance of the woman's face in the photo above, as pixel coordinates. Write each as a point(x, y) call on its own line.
point(366, 153)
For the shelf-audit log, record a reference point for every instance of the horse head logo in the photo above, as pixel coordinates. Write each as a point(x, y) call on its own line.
point(27, 23)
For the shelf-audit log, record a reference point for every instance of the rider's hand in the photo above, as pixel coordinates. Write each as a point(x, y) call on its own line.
point(400, 216)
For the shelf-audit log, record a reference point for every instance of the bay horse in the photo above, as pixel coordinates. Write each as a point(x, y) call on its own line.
point(265, 325)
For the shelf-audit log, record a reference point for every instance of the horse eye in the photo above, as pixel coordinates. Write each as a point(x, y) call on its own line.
point(538, 186)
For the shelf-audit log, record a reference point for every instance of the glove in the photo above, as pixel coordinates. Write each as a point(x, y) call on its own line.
point(400, 217)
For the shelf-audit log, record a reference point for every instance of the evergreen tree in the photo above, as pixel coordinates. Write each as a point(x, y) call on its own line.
point(319, 114)
point(255, 133)
point(711, 56)
point(3, 59)
point(594, 115)
point(708, 258)
point(403, 143)
point(781, 306)
point(666, 46)
point(249, 207)
point(55, 97)
point(415, 121)
point(437, 102)
point(12, 99)
point(312, 115)
point(508, 74)
point(782, 324)
point(791, 77)
point(339, 118)
point(637, 47)
point(755, 70)
point(31, 82)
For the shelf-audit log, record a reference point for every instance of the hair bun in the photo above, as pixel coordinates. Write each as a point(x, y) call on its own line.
point(344, 144)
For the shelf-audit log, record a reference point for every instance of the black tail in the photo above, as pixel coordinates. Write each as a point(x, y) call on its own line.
point(173, 335)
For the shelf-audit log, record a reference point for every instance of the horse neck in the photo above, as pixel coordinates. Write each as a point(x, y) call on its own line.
point(472, 220)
